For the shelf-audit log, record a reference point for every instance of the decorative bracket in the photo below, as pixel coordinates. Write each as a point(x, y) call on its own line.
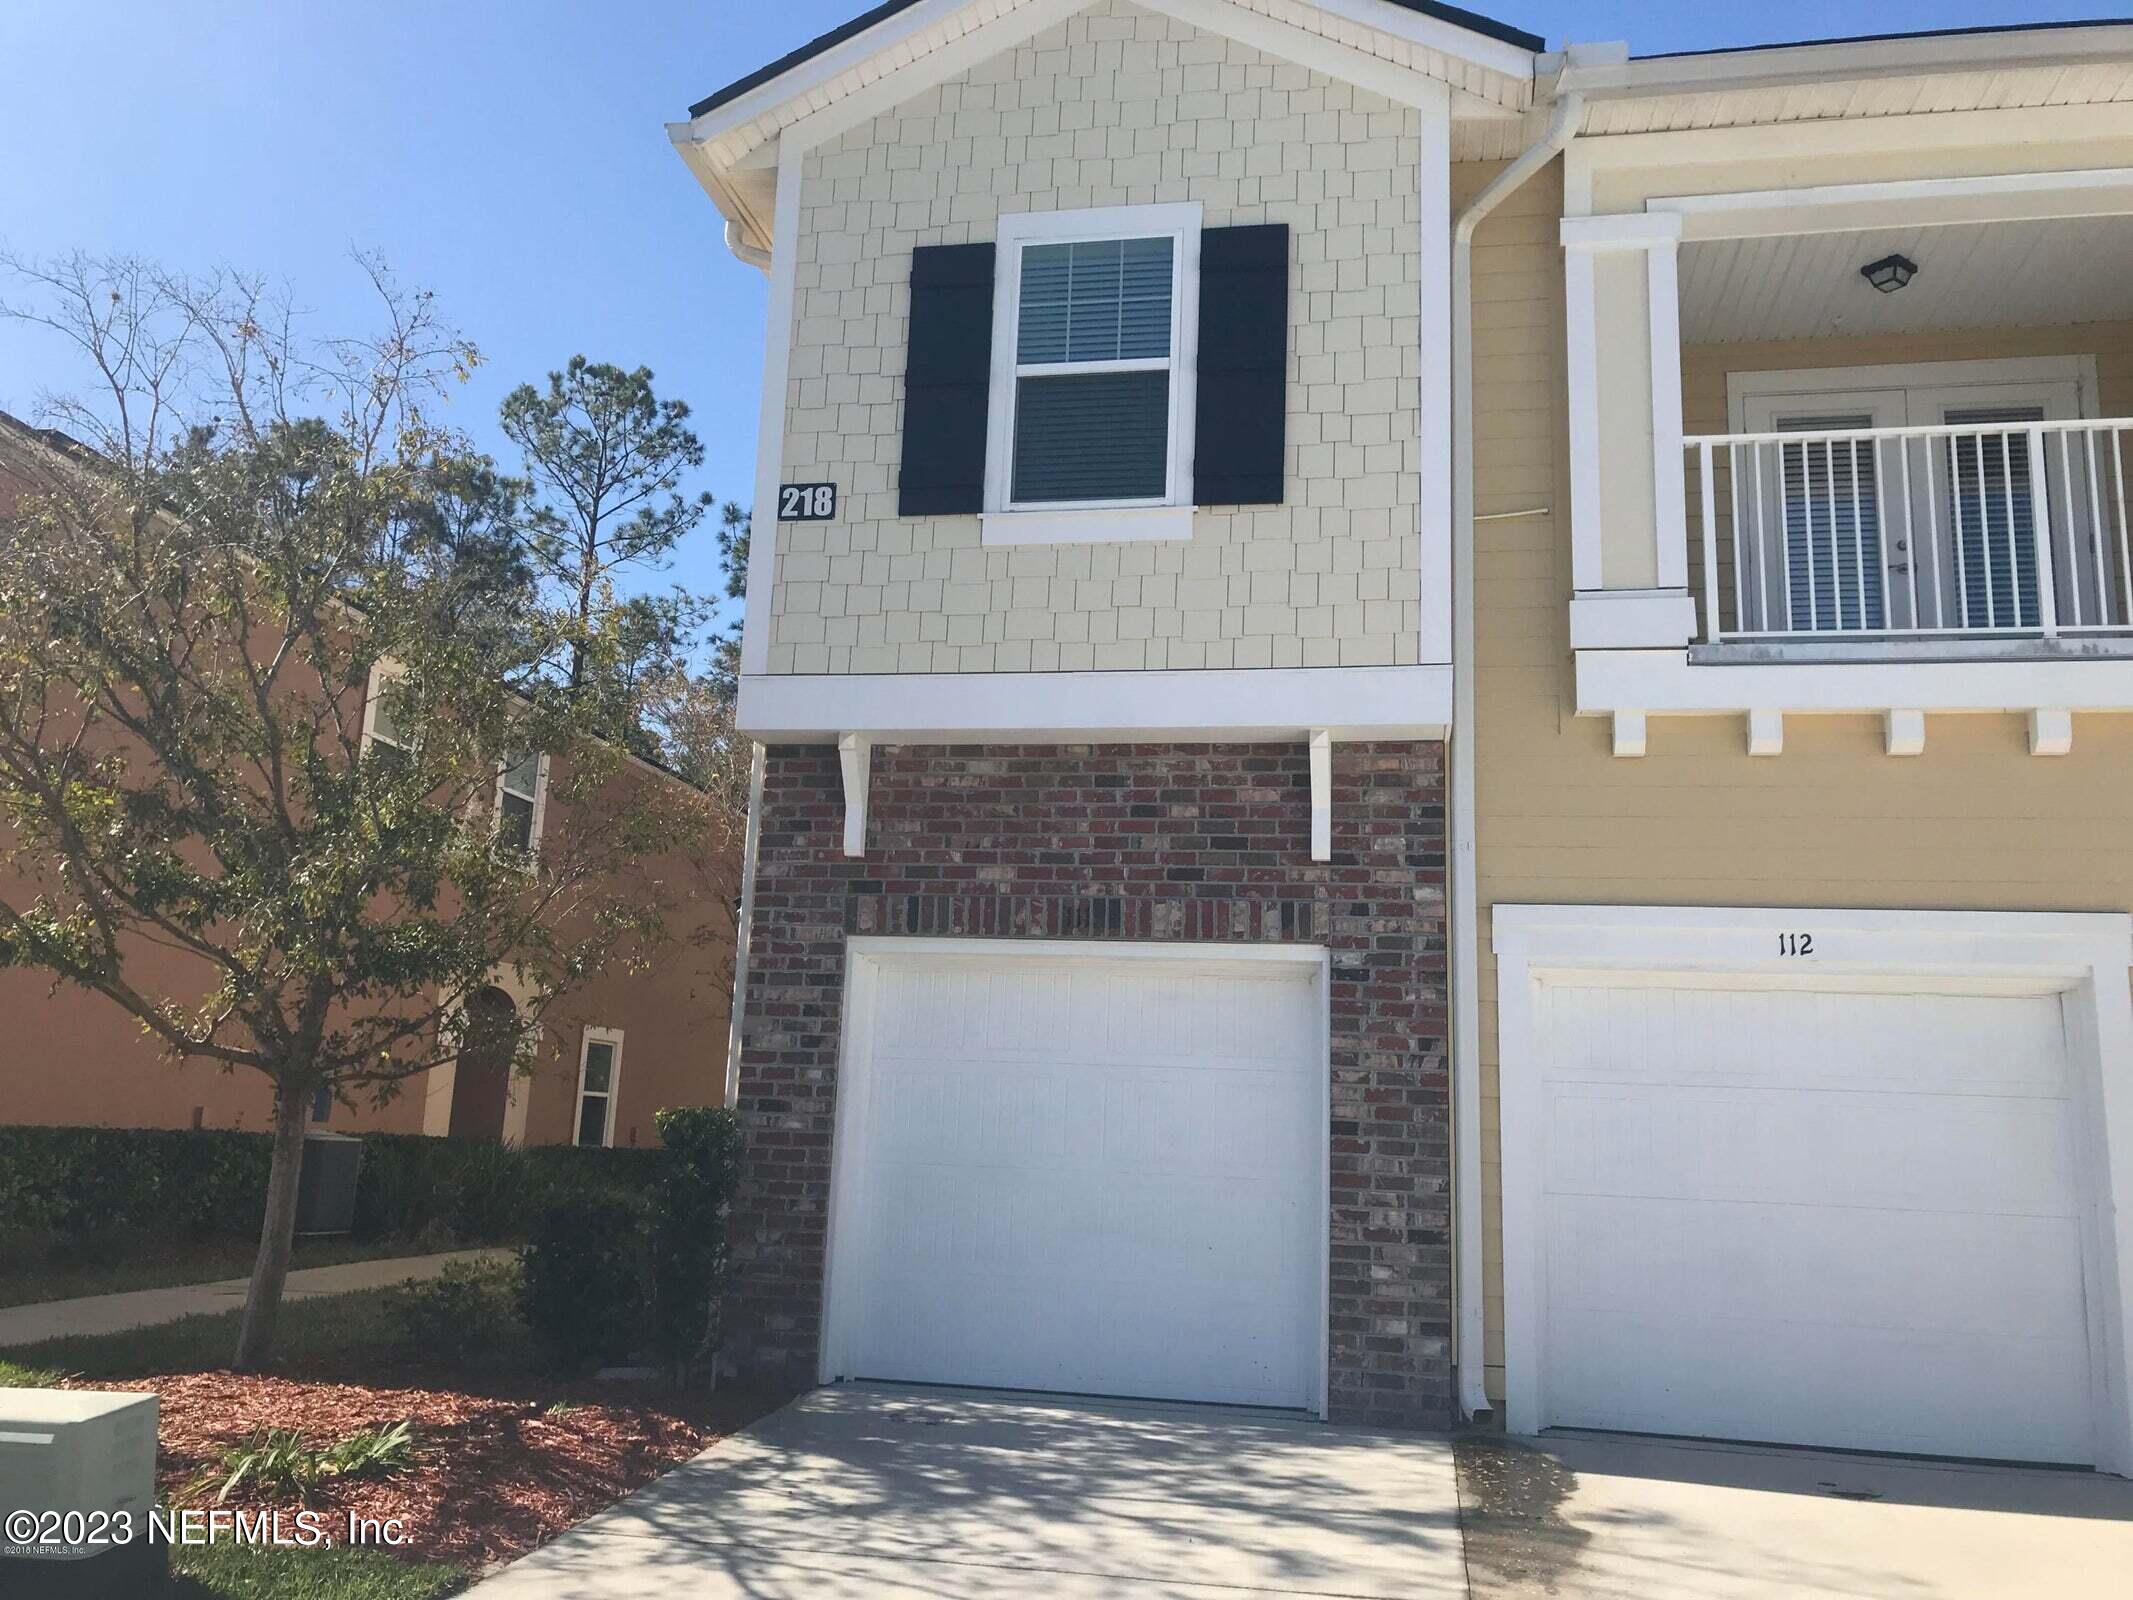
point(2051, 731)
point(1321, 795)
point(1766, 732)
point(1905, 732)
point(1629, 733)
point(855, 753)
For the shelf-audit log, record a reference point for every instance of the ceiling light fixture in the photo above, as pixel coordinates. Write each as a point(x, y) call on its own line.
point(1890, 273)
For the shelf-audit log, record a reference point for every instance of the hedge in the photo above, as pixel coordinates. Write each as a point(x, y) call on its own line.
point(210, 1183)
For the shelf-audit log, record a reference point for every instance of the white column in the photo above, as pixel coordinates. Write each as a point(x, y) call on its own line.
point(1659, 612)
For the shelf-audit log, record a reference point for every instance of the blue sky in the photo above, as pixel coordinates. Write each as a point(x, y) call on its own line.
point(509, 155)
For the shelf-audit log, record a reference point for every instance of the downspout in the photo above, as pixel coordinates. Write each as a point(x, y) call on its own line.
point(1465, 900)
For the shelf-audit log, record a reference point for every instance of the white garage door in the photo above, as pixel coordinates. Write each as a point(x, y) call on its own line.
point(1847, 1219)
point(1084, 1174)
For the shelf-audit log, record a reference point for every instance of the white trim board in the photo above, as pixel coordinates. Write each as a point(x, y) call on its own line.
point(1835, 139)
point(1665, 682)
point(1741, 386)
point(1899, 203)
point(1211, 705)
point(756, 620)
point(2082, 955)
point(865, 958)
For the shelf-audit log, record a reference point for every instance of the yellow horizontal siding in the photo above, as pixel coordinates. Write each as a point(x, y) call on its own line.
point(1975, 822)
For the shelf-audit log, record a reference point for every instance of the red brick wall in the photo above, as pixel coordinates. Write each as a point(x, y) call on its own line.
point(1116, 842)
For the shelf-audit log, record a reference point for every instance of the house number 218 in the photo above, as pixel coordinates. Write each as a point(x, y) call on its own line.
point(807, 502)
point(1796, 944)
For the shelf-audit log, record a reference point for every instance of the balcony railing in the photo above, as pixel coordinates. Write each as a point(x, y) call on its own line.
point(1983, 529)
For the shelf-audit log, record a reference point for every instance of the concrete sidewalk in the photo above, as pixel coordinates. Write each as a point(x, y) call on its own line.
point(142, 1308)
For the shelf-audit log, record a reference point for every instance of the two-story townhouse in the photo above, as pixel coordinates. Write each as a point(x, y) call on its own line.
point(1470, 920)
point(647, 1032)
point(1805, 774)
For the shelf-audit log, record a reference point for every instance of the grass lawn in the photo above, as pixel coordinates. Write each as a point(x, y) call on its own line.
point(341, 1334)
point(508, 1455)
point(170, 1264)
point(243, 1572)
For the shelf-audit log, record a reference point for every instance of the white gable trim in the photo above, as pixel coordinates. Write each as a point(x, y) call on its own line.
point(1376, 45)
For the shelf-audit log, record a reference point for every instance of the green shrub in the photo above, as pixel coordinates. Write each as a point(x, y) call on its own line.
point(585, 1278)
point(456, 1191)
point(466, 1311)
point(77, 1181)
point(699, 1165)
point(110, 1195)
point(278, 1462)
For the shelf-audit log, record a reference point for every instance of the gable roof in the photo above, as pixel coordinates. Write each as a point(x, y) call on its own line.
point(1405, 50)
point(1472, 21)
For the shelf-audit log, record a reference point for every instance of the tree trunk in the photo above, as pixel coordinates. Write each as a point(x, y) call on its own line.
point(262, 1302)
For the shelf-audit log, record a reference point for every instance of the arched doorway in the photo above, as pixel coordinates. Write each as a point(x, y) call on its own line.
point(481, 1085)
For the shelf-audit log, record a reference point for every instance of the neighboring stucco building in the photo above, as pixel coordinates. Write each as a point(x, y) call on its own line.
point(1445, 725)
point(643, 1035)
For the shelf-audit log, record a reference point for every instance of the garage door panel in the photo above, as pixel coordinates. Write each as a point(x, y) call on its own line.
point(1846, 1218)
point(1086, 1175)
point(1855, 1388)
point(1779, 1266)
point(1943, 1043)
point(1812, 1147)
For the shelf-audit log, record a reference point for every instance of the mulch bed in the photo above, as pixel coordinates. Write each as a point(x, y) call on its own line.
point(499, 1475)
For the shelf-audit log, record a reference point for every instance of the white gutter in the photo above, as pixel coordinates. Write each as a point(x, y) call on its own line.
point(1465, 899)
point(755, 255)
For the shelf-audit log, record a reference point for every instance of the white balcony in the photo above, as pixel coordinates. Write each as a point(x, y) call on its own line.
point(2007, 533)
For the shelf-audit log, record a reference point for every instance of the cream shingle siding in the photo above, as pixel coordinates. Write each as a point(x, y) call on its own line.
point(1974, 823)
point(1117, 107)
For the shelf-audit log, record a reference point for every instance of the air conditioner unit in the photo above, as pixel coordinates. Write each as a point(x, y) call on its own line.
point(90, 1458)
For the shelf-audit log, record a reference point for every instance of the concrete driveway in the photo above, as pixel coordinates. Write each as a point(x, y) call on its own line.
point(1581, 1517)
point(892, 1493)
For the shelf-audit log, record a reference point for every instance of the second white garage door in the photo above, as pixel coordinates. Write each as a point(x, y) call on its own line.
point(1812, 1216)
point(1075, 1172)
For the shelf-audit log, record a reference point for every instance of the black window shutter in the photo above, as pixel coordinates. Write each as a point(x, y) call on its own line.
point(1241, 407)
point(947, 381)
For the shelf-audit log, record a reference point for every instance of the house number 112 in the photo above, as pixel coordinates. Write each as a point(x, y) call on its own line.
point(1796, 944)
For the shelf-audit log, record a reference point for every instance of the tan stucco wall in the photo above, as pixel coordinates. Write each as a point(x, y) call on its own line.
point(1118, 106)
point(1974, 823)
point(70, 1057)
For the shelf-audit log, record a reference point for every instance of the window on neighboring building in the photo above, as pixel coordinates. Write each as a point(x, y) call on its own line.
point(599, 1074)
point(518, 803)
point(1091, 383)
point(384, 723)
point(322, 1103)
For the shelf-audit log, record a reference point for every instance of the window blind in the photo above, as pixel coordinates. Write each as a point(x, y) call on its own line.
point(1833, 557)
point(1995, 518)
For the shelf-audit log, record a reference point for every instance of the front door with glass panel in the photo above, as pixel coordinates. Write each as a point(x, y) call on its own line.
point(1985, 500)
point(1937, 529)
point(1828, 569)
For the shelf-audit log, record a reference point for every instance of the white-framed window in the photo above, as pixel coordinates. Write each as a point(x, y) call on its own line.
point(1095, 325)
point(522, 802)
point(382, 724)
point(599, 1080)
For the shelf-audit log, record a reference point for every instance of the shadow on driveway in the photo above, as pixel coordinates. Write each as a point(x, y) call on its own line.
point(878, 1490)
